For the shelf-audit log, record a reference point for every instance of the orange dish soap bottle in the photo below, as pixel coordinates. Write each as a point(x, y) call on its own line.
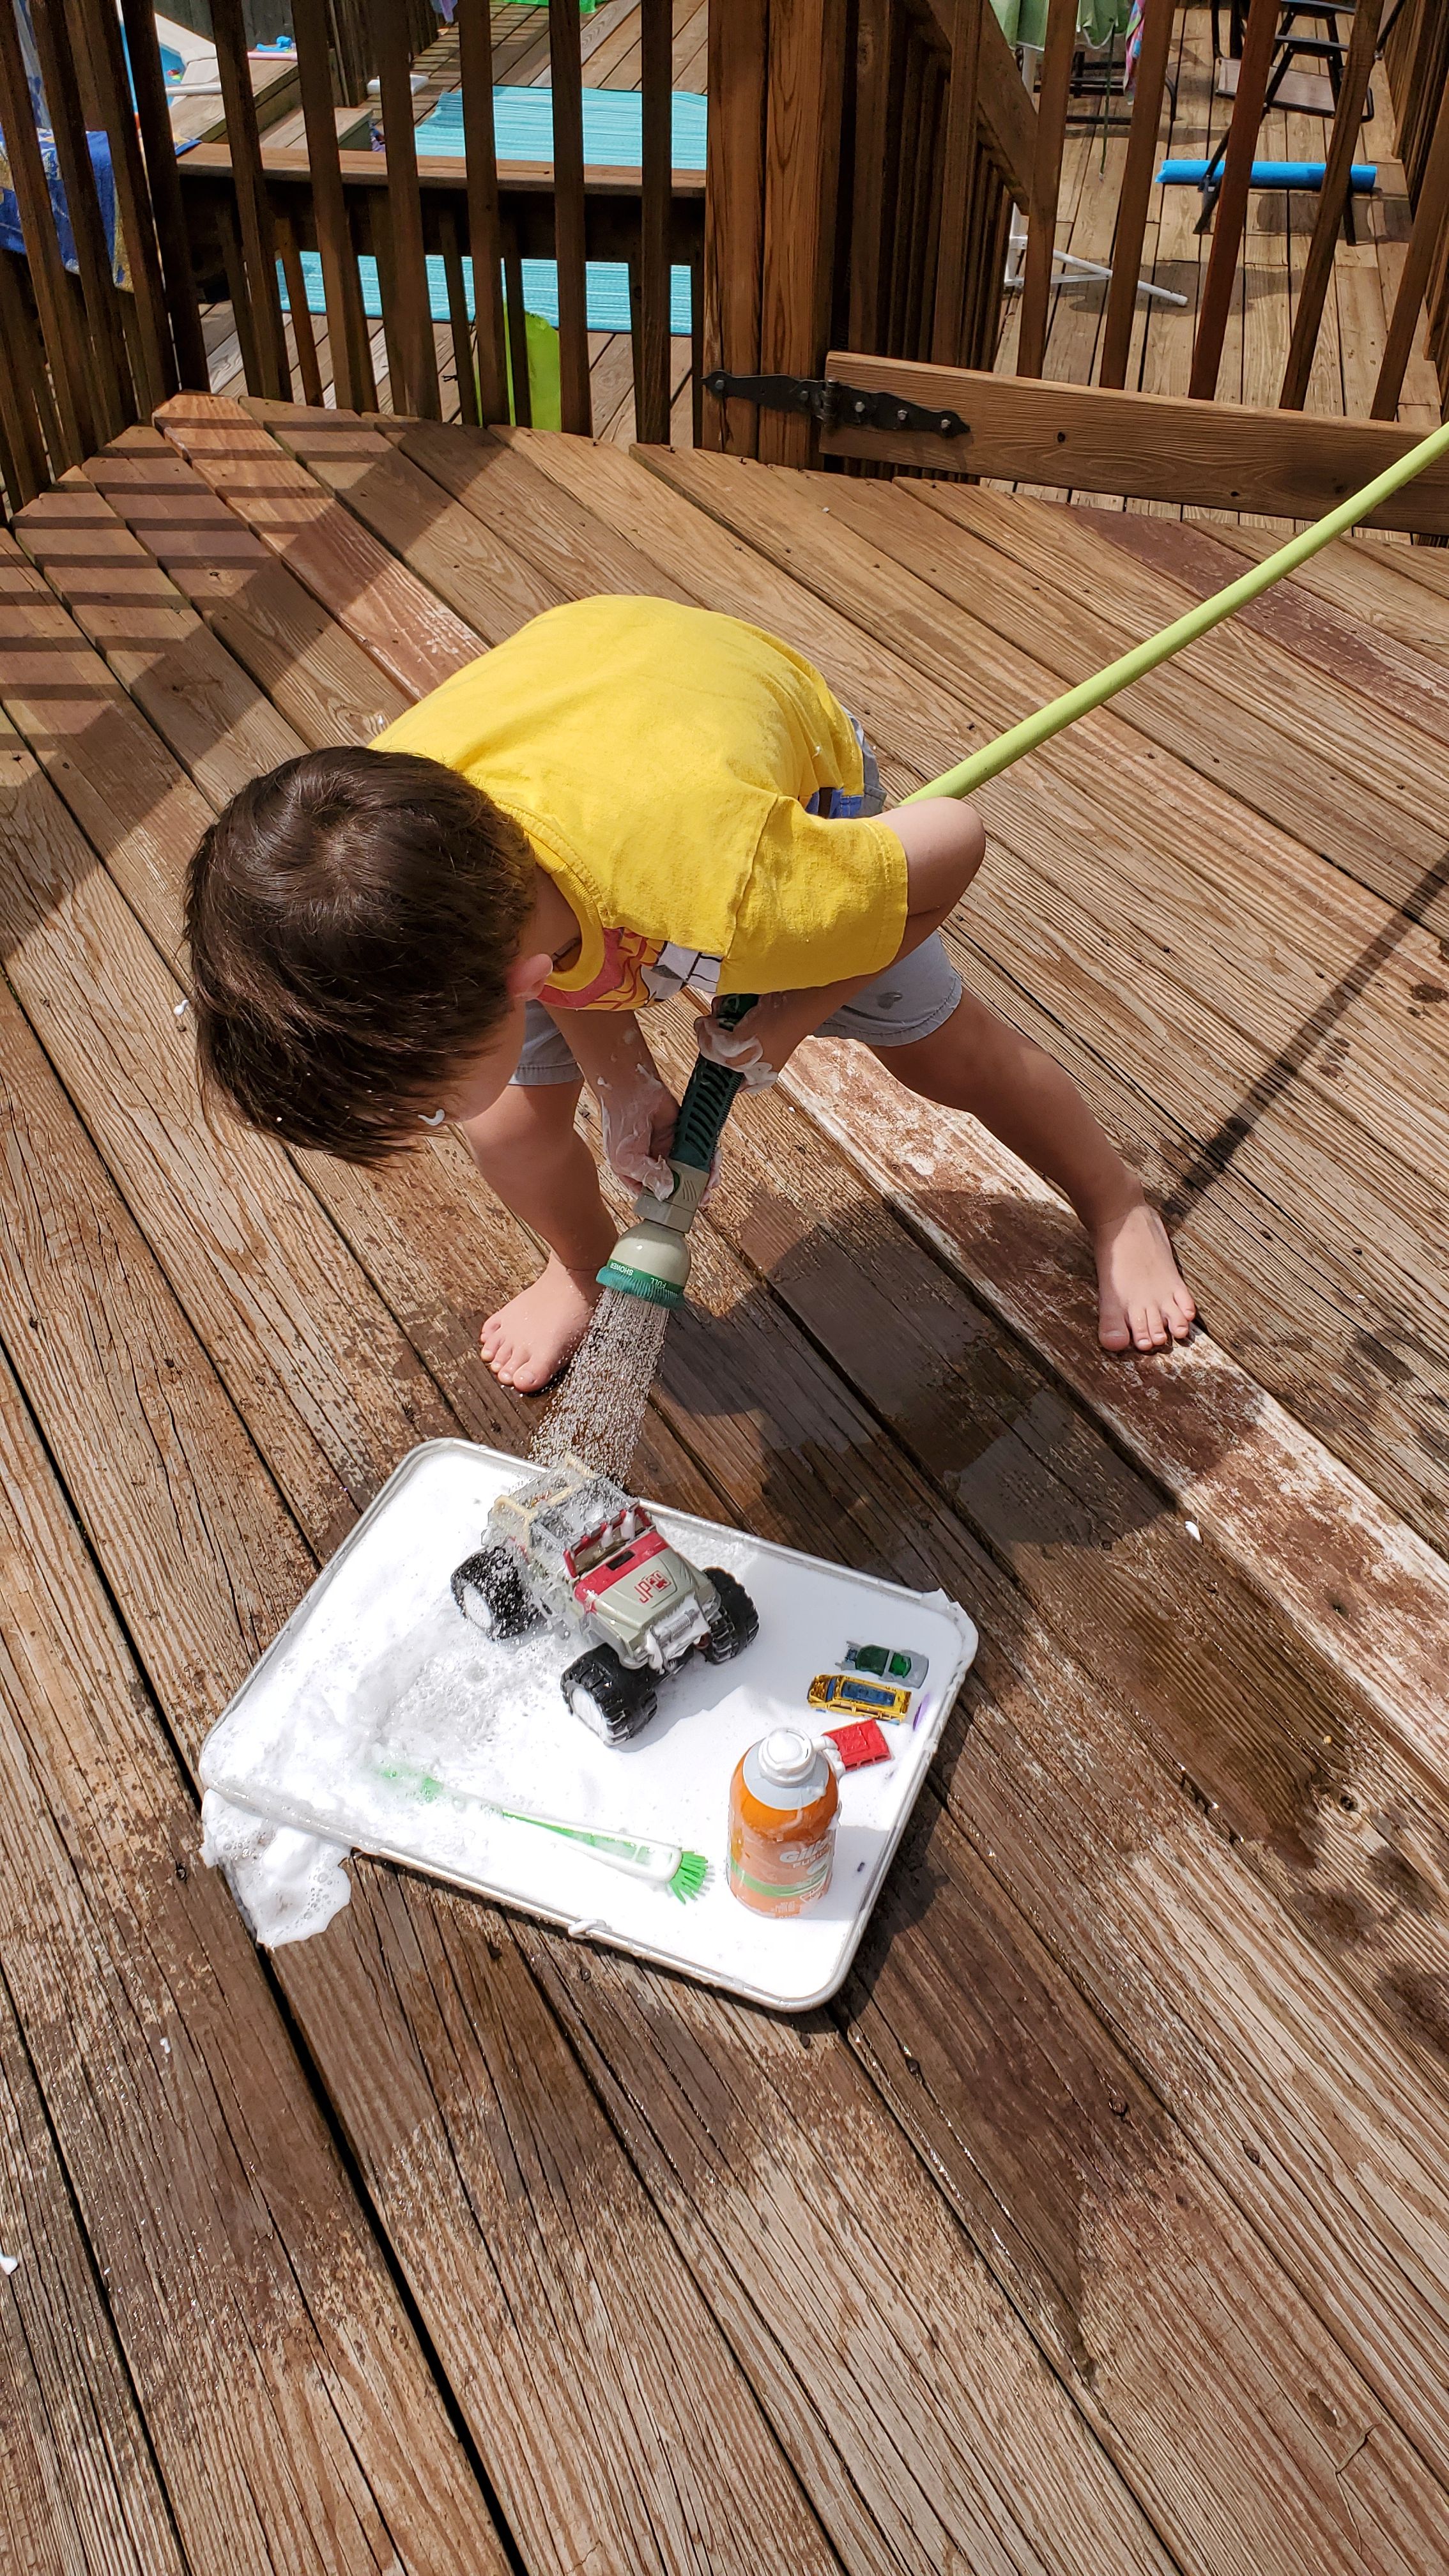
point(783, 1802)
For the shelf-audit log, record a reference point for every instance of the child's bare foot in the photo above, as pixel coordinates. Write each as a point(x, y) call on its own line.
point(1143, 1300)
point(528, 1340)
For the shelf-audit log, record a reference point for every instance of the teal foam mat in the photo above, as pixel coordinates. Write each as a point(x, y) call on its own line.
point(607, 284)
point(613, 123)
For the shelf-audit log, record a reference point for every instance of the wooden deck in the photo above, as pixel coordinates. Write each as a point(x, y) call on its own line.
point(1103, 2225)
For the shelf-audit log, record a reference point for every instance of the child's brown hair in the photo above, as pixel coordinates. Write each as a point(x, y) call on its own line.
point(352, 917)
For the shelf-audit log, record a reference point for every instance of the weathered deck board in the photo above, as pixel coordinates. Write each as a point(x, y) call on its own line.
point(1108, 2089)
point(302, 2425)
point(1260, 1272)
point(355, 2059)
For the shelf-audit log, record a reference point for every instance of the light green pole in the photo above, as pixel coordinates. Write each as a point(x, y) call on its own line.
point(970, 774)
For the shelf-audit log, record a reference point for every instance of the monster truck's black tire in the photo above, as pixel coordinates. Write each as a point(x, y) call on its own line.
point(490, 1590)
point(610, 1699)
point(736, 1622)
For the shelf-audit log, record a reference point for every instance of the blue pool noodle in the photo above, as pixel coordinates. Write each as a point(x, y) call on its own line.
point(1363, 178)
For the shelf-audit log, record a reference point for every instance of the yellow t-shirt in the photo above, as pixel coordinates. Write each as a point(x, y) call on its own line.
point(660, 759)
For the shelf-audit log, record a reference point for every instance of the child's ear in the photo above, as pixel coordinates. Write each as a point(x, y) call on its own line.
point(527, 976)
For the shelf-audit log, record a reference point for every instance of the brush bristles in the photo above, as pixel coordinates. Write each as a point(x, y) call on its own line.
point(689, 1879)
point(640, 1283)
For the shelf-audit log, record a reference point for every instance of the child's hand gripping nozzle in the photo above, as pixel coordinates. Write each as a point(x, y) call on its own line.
point(651, 1260)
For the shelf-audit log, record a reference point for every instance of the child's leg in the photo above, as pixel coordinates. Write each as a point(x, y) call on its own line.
point(976, 1061)
point(527, 1150)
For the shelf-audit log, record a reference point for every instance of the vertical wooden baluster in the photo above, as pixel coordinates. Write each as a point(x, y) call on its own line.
point(243, 317)
point(656, 188)
point(517, 327)
point(380, 213)
point(877, 42)
point(458, 317)
point(485, 231)
point(341, 287)
point(357, 234)
point(696, 344)
point(1425, 244)
point(154, 367)
point(110, 370)
point(1136, 193)
point(958, 176)
point(26, 467)
point(410, 325)
point(734, 222)
point(153, 114)
point(1232, 207)
point(302, 332)
point(569, 228)
point(802, 169)
point(59, 321)
point(1332, 198)
point(272, 377)
point(1046, 180)
point(913, 91)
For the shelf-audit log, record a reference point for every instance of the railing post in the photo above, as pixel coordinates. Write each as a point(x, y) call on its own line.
point(411, 325)
point(101, 28)
point(485, 230)
point(656, 175)
point(153, 114)
point(1136, 192)
point(110, 368)
point(1332, 197)
point(734, 213)
point(802, 167)
point(59, 320)
point(1046, 180)
point(1232, 208)
point(575, 405)
point(1430, 216)
point(259, 249)
point(958, 184)
point(341, 286)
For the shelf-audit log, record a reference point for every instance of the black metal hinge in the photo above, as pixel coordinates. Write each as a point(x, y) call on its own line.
point(834, 405)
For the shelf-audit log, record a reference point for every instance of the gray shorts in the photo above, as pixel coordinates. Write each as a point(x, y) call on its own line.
point(911, 1000)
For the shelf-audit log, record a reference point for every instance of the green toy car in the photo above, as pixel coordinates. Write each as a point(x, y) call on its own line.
point(888, 1663)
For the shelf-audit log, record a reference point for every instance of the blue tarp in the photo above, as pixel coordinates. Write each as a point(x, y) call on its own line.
point(613, 123)
point(608, 291)
point(13, 238)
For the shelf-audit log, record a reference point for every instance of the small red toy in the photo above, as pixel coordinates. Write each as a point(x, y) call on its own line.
point(857, 1745)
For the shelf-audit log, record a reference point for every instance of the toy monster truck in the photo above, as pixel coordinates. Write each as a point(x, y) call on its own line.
point(572, 1547)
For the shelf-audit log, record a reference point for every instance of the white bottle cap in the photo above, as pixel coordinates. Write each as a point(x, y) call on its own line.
point(786, 1755)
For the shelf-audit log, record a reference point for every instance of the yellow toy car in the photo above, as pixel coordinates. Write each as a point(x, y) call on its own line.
point(851, 1695)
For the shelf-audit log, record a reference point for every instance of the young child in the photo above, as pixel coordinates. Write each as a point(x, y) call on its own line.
point(628, 797)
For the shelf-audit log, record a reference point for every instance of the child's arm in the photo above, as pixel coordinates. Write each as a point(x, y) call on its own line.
point(944, 842)
point(637, 1111)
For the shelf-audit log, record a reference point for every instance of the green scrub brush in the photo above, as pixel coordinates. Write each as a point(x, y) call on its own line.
point(652, 1259)
point(667, 1865)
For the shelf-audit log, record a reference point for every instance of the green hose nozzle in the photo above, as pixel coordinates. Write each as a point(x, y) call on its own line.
point(651, 1260)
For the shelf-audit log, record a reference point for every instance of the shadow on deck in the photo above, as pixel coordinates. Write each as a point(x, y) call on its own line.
point(441, 2236)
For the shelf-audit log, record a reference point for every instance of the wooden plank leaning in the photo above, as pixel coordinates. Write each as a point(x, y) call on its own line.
point(1046, 180)
point(254, 214)
point(1136, 190)
point(347, 335)
point(570, 239)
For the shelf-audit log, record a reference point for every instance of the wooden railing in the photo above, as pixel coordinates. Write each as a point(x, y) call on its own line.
point(231, 218)
point(860, 193)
